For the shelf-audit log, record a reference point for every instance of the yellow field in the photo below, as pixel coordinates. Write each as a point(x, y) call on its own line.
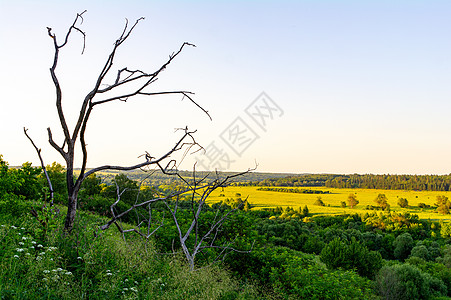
point(262, 199)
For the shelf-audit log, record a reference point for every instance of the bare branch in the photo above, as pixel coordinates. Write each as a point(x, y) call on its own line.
point(38, 150)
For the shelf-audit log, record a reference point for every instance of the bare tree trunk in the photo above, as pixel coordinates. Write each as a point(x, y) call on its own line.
point(71, 212)
point(131, 83)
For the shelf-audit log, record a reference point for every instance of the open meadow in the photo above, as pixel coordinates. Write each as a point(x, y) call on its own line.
point(271, 199)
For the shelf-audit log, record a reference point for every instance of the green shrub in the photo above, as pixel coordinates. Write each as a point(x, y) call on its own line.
point(404, 281)
point(351, 255)
point(403, 244)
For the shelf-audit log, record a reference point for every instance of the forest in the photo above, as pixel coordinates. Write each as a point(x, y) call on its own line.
point(367, 181)
point(279, 253)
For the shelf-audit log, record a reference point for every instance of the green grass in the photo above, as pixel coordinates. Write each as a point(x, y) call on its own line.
point(269, 199)
point(38, 264)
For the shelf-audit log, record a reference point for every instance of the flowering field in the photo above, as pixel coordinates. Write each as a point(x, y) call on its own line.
point(332, 200)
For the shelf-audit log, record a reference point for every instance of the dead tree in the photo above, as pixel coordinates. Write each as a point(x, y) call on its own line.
point(193, 240)
point(137, 83)
point(196, 236)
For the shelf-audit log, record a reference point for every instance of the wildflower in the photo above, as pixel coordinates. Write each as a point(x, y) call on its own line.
point(55, 278)
point(13, 227)
point(59, 269)
point(19, 249)
point(125, 280)
point(16, 256)
point(3, 225)
point(21, 243)
point(134, 289)
point(42, 253)
point(32, 247)
point(79, 257)
point(51, 259)
point(22, 228)
point(39, 246)
point(125, 289)
point(39, 258)
point(136, 282)
point(44, 279)
point(68, 273)
point(46, 271)
point(108, 274)
point(27, 254)
point(24, 238)
point(108, 271)
point(33, 242)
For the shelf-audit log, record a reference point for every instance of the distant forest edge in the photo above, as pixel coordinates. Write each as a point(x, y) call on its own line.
point(368, 181)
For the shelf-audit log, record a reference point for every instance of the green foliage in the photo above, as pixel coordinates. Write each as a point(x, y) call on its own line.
point(403, 244)
point(382, 201)
point(351, 255)
point(443, 205)
point(402, 202)
point(352, 200)
point(319, 201)
point(404, 281)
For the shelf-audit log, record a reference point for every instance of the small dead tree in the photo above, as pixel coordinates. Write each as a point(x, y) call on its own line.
point(193, 240)
point(196, 235)
point(134, 82)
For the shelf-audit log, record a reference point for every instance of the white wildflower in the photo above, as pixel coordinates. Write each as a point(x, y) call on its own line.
point(22, 228)
point(108, 274)
point(39, 246)
point(39, 258)
point(68, 273)
point(42, 253)
point(16, 256)
point(125, 289)
point(13, 227)
point(134, 289)
point(21, 243)
point(44, 279)
point(19, 249)
point(24, 238)
point(33, 242)
point(79, 257)
point(46, 271)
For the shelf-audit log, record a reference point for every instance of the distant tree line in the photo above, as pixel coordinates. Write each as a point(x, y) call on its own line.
point(295, 190)
point(367, 181)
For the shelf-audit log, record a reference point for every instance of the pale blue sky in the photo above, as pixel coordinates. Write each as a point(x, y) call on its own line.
point(364, 85)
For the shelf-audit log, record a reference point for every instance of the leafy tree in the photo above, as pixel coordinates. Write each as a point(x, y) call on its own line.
point(91, 186)
point(343, 204)
point(350, 255)
point(352, 200)
point(443, 204)
point(402, 202)
point(382, 201)
point(403, 244)
point(406, 282)
point(305, 211)
point(319, 201)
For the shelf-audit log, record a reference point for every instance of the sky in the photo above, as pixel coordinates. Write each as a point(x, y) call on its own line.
point(291, 86)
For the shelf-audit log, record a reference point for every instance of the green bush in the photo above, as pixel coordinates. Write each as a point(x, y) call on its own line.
point(350, 255)
point(403, 244)
point(404, 281)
